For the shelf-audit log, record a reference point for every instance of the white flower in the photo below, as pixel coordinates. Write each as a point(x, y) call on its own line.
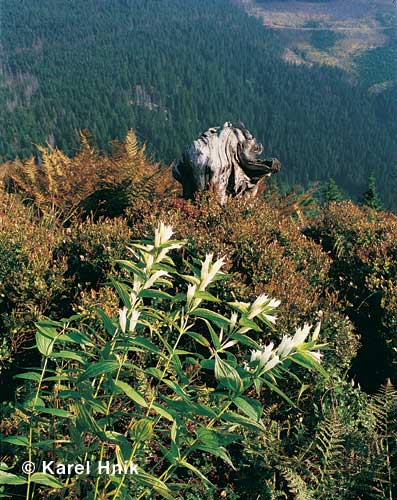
point(262, 355)
point(166, 250)
point(233, 320)
point(137, 284)
point(274, 303)
point(133, 320)
point(272, 363)
point(246, 366)
point(316, 355)
point(191, 290)
point(209, 270)
point(260, 303)
point(205, 266)
point(285, 346)
point(301, 335)
point(271, 318)
point(123, 318)
point(153, 278)
point(316, 332)
point(257, 306)
point(149, 260)
point(162, 234)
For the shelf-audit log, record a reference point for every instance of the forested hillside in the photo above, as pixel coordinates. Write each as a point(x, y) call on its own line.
point(172, 69)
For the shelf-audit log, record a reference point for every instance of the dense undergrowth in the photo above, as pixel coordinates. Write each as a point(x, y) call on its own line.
point(121, 369)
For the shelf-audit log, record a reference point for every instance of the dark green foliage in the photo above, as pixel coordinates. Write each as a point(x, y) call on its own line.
point(363, 247)
point(384, 408)
point(371, 196)
point(324, 39)
point(170, 69)
point(331, 192)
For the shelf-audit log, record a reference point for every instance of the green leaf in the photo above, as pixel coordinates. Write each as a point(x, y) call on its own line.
point(123, 291)
point(212, 316)
point(199, 338)
point(85, 421)
point(8, 478)
point(48, 331)
point(279, 392)
point(28, 376)
point(214, 336)
point(207, 364)
point(56, 412)
point(142, 430)
point(202, 409)
point(99, 368)
point(227, 375)
point(58, 378)
point(32, 402)
point(206, 296)
point(194, 469)
point(17, 440)
point(44, 343)
point(46, 480)
point(107, 322)
point(304, 359)
point(68, 355)
point(245, 340)
point(155, 294)
point(249, 324)
point(131, 393)
point(142, 342)
point(154, 372)
point(132, 268)
point(207, 437)
point(75, 337)
point(252, 408)
point(243, 421)
point(218, 451)
point(162, 411)
point(155, 483)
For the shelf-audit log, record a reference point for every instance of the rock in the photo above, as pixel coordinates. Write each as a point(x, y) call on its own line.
point(225, 159)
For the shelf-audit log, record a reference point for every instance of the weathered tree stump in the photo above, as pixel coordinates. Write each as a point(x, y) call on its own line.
point(225, 159)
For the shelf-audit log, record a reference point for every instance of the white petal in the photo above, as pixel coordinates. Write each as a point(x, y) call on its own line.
point(301, 335)
point(274, 303)
point(123, 318)
point(316, 355)
point(255, 355)
point(285, 346)
point(272, 363)
point(206, 265)
point(316, 332)
point(266, 353)
point(133, 320)
point(271, 318)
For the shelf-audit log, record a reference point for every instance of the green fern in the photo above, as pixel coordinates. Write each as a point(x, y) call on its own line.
point(384, 409)
point(296, 485)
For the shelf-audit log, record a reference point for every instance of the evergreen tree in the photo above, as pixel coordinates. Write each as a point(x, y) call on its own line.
point(371, 196)
point(331, 192)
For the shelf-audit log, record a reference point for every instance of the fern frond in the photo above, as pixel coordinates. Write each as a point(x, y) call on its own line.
point(296, 485)
point(383, 406)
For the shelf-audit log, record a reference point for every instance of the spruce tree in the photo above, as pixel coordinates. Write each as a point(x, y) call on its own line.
point(371, 196)
point(331, 192)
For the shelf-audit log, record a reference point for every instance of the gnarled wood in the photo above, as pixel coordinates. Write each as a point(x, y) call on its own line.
point(226, 159)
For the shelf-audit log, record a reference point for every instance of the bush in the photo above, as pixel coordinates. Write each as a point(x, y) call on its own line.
point(147, 389)
point(265, 252)
point(363, 246)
